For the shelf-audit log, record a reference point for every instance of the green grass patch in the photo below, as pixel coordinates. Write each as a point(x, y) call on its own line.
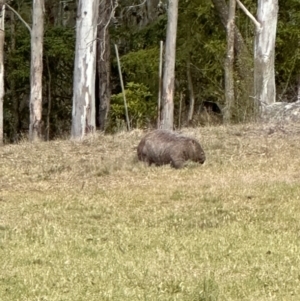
point(85, 221)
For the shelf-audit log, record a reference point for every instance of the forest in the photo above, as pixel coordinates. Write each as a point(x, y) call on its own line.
point(82, 218)
point(137, 27)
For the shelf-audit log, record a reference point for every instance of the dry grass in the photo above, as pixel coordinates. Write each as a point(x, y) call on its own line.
point(86, 221)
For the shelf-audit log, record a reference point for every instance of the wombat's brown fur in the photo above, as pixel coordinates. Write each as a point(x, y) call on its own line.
point(167, 147)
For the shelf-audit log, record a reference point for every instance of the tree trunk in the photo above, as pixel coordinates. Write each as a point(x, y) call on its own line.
point(239, 44)
point(243, 57)
point(36, 70)
point(14, 97)
point(49, 84)
point(83, 112)
point(159, 82)
point(103, 62)
point(229, 79)
point(2, 35)
point(298, 88)
point(191, 90)
point(152, 9)
point(264, 52)
point(169, 71)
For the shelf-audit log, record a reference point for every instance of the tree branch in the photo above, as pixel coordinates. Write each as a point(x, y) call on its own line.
point(141, 4)
point(18, 15)
point(246, 11)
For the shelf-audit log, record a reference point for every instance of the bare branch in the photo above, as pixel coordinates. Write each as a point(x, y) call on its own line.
point(132, 6)
point(246, 11)
point(19, 16)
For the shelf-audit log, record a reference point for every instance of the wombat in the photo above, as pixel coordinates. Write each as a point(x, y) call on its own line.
point(167, 147)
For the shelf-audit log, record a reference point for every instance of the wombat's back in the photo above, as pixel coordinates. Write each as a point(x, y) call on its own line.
point(165, 147)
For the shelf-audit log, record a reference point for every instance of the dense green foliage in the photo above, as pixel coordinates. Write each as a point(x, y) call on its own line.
point(288, 50)
point(140, 105)
point(201, 41)
point(57, 77)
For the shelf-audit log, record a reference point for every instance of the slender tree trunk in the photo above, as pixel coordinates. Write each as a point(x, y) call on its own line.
point(123, 89)
point(36, 72)
point(83, 113)
point(243, 58)
point(298, 88)
point(229, 79)
point(49, 83)
point(159, 83)
point(2, 35)
point(151, 6)
point(239, 43)
point(65, 13)
point(264, 52)
point(167, 116)
point(14, 97)
point(103, 62)
point(180, 110)
point(191, 90)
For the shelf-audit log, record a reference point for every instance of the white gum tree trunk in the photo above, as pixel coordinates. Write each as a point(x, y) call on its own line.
point(229, 78)
point(167, 116)
point(83, 113)
point(264, 52)
point(36, 70)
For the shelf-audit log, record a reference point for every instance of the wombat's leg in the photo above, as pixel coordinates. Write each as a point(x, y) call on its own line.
point(177, 163)
point(149, 161)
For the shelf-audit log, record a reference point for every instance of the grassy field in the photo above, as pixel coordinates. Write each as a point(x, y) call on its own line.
point(86, 221)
